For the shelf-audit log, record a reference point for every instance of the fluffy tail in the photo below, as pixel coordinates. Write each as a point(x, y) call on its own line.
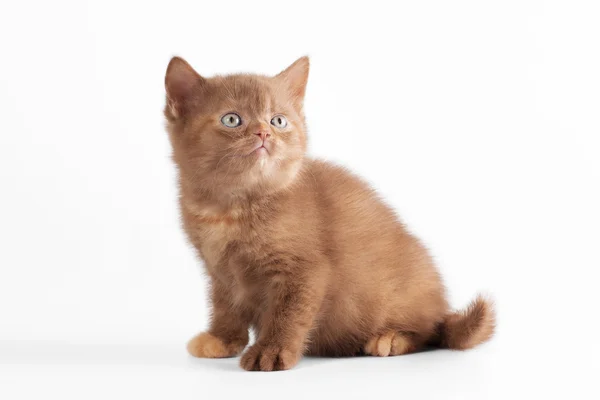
point(467, 328)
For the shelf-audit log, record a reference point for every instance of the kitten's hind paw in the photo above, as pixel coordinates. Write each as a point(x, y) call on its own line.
point(206, 345)
point(389, 344)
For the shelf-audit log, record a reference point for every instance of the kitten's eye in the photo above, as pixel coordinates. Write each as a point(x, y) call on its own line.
point(279, 121)
point(231, 120)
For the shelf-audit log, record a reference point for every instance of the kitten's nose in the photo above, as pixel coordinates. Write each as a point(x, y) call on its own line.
point(263, 135)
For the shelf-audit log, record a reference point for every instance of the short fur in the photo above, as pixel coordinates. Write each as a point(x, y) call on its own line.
point(300, 250)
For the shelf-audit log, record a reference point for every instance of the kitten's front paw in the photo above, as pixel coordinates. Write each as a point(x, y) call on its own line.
point(261, 357)
point(206, 345)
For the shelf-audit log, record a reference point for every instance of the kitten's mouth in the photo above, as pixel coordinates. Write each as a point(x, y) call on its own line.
point(259, 150)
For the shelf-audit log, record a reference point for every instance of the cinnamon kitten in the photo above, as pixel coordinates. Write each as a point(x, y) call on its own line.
point(299, 250)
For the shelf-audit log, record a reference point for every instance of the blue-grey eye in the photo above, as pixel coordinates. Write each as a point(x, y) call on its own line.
point(279, 121)
point(231, 120)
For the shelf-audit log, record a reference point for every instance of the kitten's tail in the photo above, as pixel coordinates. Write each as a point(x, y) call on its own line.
point(469, 327)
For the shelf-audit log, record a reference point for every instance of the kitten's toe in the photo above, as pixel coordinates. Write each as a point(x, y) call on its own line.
point(389, 344)
point(401, 344)
point(380, 345)
point(206, 345)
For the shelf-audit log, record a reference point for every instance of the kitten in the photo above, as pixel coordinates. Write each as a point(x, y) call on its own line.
point(299, 250)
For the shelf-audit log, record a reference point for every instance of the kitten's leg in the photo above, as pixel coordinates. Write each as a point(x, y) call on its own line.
point(228, 333)
point(391, 343)
point(293, 303)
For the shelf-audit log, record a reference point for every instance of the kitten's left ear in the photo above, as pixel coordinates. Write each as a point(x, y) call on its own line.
point(295, 78)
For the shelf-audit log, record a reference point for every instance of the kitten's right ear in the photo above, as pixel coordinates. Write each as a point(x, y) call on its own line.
point(180, 82)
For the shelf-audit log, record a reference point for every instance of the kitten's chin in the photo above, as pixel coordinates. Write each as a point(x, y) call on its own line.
point(265, 162)
point(261, 150)
point(271, 174)
point(261, 157)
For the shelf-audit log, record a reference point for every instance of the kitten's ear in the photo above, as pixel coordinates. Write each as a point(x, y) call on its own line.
point(295, 77)
point(180, 82)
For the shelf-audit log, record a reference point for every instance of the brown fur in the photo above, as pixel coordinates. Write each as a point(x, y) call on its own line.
point(300, 250)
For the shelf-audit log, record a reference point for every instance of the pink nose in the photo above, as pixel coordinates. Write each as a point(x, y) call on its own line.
point(263, 135)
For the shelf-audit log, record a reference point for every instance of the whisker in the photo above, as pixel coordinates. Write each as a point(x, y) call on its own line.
point(232, 153)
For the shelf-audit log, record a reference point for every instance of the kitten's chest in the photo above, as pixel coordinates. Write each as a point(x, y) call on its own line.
point(233, 240)
point(225, 242)
point(215, 241)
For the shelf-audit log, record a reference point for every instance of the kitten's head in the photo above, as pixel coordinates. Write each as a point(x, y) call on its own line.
point(236, 134)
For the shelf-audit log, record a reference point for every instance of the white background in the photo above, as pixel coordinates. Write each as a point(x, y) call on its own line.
point(477, 120)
